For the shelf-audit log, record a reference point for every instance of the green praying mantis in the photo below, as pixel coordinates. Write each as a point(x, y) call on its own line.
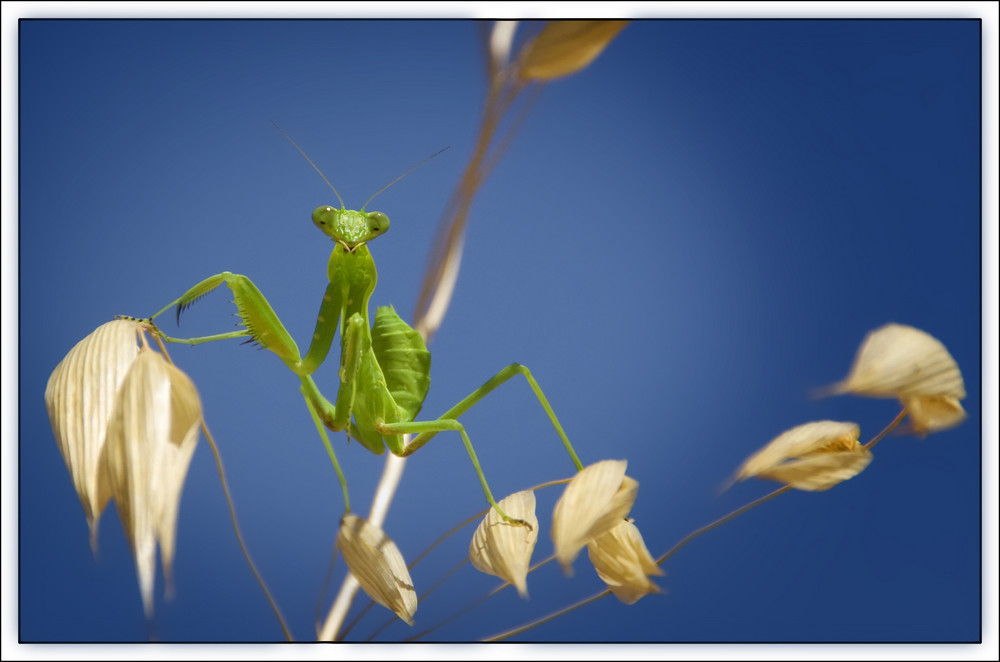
point(384, 367)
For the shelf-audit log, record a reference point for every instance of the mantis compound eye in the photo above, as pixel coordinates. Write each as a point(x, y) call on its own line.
point(325, 217)
point(377, 223)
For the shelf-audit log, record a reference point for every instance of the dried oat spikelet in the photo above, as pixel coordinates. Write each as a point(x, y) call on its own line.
point(151, 437)
point(898, 361)
point(377, 564)
point(623, 562)
point(503, 549)
point(593, 503)
point(814, 456)
point(565, 47)
point(79, 397)
point(930, 413)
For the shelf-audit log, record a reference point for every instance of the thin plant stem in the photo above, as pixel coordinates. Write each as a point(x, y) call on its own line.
point(719, 522)
point(478, 602)
point(318, 613)
point(439, 582)
point(232, 512)
point(455, 529)
point(350, 626)
point(889, 428)
point(546, 619)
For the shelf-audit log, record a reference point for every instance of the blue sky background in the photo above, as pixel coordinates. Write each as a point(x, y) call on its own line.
point(682, 242)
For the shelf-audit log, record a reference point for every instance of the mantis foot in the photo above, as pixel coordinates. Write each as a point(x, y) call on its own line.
point(516, 522)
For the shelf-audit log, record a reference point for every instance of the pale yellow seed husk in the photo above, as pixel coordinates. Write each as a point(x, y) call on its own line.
point(152, 435)
point(565, 47)
point(933, 413)
point(623, 562)
point(79, 398)
point(813, 456)
point(378, 565)
point(897, 361)
point(593, 503)
point(504, 549)
point(798, 441)
point(819, 472)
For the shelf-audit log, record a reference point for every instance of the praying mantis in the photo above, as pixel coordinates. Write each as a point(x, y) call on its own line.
point(384, 369)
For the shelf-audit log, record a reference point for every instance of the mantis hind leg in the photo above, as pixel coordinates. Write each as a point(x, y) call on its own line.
point(496, 380)
point(426, 430)
point(431, 428)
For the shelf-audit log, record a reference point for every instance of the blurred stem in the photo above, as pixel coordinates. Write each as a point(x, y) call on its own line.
point(439, 280)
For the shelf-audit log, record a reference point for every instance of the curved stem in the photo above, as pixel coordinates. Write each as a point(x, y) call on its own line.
point(889, 428)
point(232, 513)
point(546, 619)
point(239, 535)
point(719, 522)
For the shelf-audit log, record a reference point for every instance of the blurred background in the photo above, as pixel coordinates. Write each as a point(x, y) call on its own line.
point(682, 242)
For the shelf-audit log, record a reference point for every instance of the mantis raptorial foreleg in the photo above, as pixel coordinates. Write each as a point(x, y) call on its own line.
point(264, 326)
point(262, 323)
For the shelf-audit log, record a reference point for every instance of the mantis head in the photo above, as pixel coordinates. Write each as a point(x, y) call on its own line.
point(345, 226)
point(348, 227)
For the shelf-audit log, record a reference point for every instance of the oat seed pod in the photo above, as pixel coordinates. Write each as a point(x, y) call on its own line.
point(622, 561)
point(565, 47)
point(503, 549)
point(814, 456)
point(593, 503)
point(151, 437)
point(933, 413)
point(79, 398)
point(898, 361)
point(378, 565)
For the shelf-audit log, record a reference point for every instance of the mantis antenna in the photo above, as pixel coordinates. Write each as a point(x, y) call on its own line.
point(320, 171)
point(398, 178)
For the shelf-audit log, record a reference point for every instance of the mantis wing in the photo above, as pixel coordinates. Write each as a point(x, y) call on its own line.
point(404, 359)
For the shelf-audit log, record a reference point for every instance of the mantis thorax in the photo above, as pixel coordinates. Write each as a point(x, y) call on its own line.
point(348, 227)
